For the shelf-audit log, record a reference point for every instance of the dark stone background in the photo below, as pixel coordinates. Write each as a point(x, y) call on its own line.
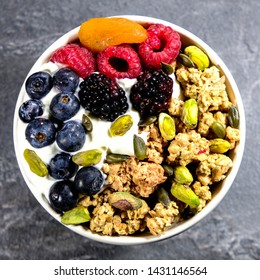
point(231, 28)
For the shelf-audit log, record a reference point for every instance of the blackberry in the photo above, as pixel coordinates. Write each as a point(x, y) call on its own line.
point(152, 92)
point(103, 97)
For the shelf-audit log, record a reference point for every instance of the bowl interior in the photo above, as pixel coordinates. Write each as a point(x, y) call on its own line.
point(187, 38)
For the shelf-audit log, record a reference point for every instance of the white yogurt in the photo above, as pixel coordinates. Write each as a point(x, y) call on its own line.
point(99, 138)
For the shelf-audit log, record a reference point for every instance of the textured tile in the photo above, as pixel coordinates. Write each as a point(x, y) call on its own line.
point(231, 28)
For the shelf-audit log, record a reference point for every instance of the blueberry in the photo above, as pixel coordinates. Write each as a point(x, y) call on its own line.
point(66, 80)
point(38, 85)
point(63, 196)
point(40, 132)
point(88, 180)
point(64, 106)
point(30, 109)
point(61, 166)
point(71, 137)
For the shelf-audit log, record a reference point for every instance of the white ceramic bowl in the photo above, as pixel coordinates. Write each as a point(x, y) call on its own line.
point(187, 38)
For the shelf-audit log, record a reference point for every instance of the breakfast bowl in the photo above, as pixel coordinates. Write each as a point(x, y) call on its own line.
point(144, 172)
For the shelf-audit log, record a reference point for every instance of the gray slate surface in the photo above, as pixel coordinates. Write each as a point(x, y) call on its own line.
point(231, 28)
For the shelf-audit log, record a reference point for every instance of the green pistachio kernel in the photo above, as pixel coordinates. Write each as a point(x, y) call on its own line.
point(167, 126)
point(75, 216)
point(190, 113)
point(233, 116)
point(139, 148)
point(36, 165)
point(121, 125)
point(185, 194)
point(86, 158)
point(182, 175)
point(124, 201)
point(219, 145)
point(218, 129)
point(116, 158)
point(199, 58)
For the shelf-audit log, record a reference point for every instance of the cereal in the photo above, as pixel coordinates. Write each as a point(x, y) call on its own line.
point(162, 217)
point(213, 169)
point(143, 177)
point(207, 87)
point(188, 147)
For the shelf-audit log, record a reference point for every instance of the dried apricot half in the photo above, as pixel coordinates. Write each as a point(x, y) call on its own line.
point(97, 34)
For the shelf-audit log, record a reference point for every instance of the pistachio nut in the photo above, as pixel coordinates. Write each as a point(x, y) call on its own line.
point(86, 158)
point(219, 145)
point(182, 175)
point(124, 201)
point(218, 129)
point(185, 60)
point(185, 194)
point(139, 147)
point(36, 165)
point(233, 116)
point(121, 125)
point(116, 158)
point(167, 126)
point(147, 121)
point(167, 68)
point(190, 113)
point(75, 216)
point(163, 196)
point(199, 58)
point(87, 123)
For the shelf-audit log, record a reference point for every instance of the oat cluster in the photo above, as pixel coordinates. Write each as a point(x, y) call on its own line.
point(190, 148)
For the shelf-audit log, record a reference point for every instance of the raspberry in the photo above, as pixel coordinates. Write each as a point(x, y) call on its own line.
point(103, 97)
point(79, 59)
point(163, 45)
point(119, 62)
point(152, 92)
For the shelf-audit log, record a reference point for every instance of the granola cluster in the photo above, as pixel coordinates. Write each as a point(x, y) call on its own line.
point(189, 148)
point(208, 87)
point(135, 176)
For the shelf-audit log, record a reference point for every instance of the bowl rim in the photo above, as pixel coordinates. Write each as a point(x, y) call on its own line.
point(135, 240)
